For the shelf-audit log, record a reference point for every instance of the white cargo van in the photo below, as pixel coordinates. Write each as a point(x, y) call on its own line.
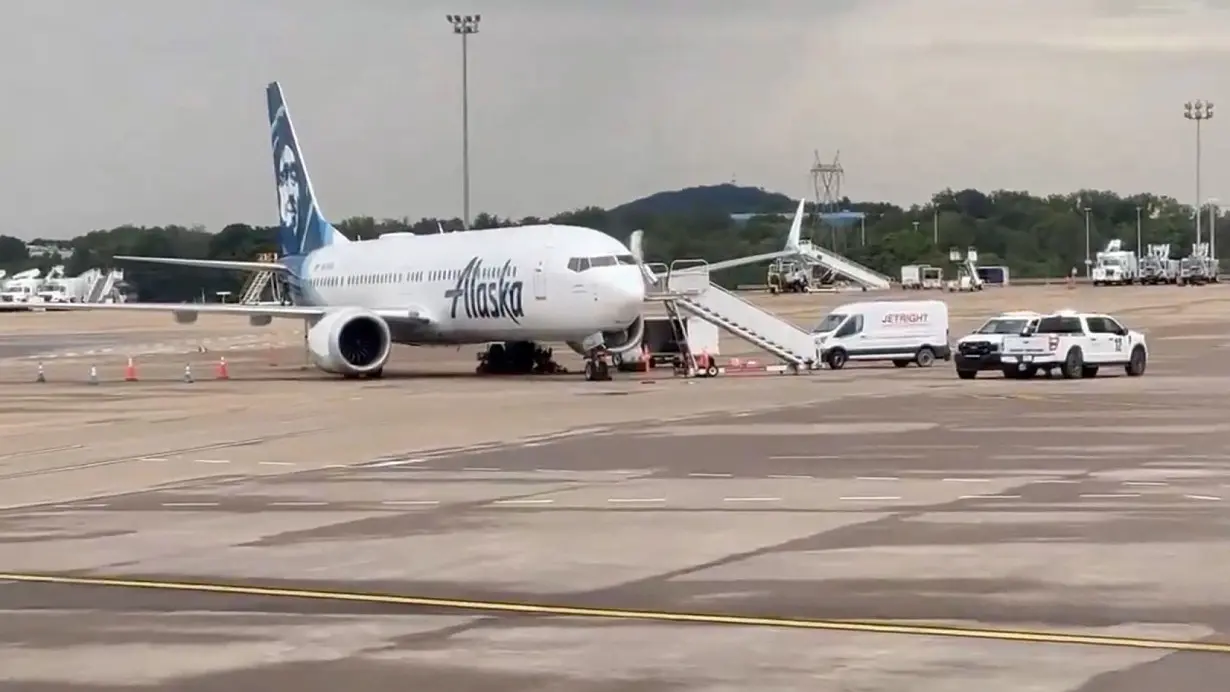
point(901, 331)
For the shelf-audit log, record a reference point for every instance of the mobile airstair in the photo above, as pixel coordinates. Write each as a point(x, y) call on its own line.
point(255, 288)
point(843, 266)
point(685, 285)
point(103, 286)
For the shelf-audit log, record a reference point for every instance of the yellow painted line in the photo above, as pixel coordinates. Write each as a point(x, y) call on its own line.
point(866, 626)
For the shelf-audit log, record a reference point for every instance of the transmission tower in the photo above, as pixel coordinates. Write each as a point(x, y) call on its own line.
point(826, 181)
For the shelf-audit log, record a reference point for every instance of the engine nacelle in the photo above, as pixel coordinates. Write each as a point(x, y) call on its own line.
point(351, 341)
point(619, 342)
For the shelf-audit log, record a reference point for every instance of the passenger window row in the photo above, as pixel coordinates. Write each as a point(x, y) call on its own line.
point(420, 276)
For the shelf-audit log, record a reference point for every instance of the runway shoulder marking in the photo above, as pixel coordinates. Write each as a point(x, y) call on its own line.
point(477, 606)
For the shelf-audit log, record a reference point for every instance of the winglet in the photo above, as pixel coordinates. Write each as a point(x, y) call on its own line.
point(796, 227)
point(636, 244)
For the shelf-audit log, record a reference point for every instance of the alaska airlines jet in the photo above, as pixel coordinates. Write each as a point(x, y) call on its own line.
point(514, 286)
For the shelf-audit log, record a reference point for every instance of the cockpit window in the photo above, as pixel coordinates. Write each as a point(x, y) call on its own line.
point(580, 264)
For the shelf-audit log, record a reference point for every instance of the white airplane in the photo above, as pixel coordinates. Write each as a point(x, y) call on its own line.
point(513, 286)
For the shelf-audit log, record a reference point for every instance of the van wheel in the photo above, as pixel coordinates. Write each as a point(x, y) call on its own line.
point(837, 359)
point(925, 357)
point(1089, 371)
point(1073, 364)
point(901, 363)
point(967, 374)
point(1136, 365)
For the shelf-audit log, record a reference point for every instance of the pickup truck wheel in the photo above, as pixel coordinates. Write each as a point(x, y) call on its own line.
point(1136, 364)
point(1010, 373)
point(1089, 371)
point(901, 363)
point(967, 374)
point(925, 357)
point(1073, 364)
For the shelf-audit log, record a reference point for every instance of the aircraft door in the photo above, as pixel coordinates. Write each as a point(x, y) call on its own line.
point(540, 282)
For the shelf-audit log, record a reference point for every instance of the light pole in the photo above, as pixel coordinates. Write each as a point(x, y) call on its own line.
point(465, 25)
point(1213, 203)
point(1199, 111)
point(1088, 257)
point(1138, 245)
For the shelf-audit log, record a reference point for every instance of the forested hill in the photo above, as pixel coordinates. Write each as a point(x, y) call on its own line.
point(1034, 236)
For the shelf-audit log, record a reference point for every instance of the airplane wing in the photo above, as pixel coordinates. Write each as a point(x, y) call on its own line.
point(191, 310)
point(791, 249)
point(235, 265)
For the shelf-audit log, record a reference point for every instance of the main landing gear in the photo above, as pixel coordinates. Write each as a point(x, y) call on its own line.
point(517, 358)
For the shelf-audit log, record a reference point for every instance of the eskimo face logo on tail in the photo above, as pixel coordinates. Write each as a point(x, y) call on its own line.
point(289, 170)
point(499, 298)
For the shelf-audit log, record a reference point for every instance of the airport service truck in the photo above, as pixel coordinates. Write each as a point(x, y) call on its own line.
point(1075, 344)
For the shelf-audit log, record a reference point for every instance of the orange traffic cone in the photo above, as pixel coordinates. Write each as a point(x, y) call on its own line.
point(646, 359)
point(130, 371)
point(223, 372)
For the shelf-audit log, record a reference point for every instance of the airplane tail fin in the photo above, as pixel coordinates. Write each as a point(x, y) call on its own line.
point(303, 227)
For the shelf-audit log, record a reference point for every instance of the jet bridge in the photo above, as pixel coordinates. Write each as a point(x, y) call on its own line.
point(685, 284)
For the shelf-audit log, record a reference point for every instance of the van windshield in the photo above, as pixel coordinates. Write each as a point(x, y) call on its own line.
point(1003, 326)
point(828, 324)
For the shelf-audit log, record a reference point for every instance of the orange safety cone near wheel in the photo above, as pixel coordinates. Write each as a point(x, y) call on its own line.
point(646, 359)
point(130, 371)
point(224, 373)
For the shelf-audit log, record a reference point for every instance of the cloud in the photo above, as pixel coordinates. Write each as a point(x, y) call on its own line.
point(155, 114)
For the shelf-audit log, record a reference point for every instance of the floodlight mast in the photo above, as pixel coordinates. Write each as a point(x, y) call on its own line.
point(464, 25)
point(1198, 111)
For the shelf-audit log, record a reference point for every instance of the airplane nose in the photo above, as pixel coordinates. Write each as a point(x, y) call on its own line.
point(629, 292)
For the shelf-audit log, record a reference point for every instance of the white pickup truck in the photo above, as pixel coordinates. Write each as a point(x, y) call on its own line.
point(1076, 344)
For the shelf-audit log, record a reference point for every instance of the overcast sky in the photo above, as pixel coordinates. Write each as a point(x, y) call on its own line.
point(153, 112)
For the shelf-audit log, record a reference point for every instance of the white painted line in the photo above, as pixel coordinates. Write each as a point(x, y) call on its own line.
point(1106, 496)
point(751, 499)
point(1057, 481)
point(788, 477)
point(966, 480)
point(298, 503)
point(86, 505)
point(190, 504)
point(877, 478)
point(524, 502)
point(410, 503)
point(870, 498)
point(553, 470)
point(710, 475)
point(1212, 498)
point(479, 468)
point(804, 457)
point(1145, 483)
point(277, 463)
point(989, 497)
point(212, 461)
point(396, 462)
point(532, 444)
point(636, 499)
point(152, 459)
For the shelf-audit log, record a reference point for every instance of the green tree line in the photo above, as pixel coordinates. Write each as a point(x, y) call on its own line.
point(1034, 236)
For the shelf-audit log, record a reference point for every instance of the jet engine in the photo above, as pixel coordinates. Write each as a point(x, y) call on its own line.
point(351, 341)
point(619, 342)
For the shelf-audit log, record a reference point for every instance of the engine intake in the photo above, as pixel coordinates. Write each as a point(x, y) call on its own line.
point(351, 341)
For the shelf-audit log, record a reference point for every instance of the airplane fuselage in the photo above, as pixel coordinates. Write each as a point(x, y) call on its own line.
point(512, 284)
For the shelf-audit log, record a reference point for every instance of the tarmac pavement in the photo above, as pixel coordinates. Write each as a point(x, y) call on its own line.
point(869, 529)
